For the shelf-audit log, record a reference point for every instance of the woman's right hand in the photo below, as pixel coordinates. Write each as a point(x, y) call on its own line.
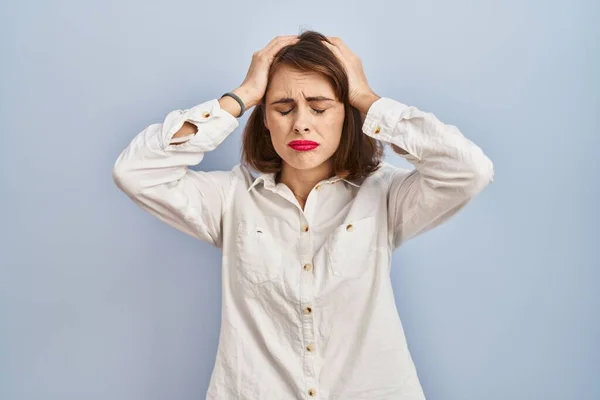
point(253, 88)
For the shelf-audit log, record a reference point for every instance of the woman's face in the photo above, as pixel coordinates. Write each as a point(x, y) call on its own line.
point(301, 106)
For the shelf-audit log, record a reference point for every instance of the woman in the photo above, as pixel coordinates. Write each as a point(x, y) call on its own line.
point(308, 308)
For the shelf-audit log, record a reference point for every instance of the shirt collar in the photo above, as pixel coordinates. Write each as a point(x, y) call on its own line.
point(268, 180)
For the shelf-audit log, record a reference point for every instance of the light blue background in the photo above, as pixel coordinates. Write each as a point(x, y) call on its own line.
point(99, 300)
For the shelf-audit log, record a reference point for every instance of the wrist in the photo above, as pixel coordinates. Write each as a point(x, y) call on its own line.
point(364, 101)
point(232, 106)
point(247, 97)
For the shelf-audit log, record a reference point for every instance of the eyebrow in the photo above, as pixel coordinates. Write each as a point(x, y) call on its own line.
point(287, 100)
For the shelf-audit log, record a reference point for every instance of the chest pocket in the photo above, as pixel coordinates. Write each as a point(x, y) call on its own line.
point(352, 248)
point(258, 253)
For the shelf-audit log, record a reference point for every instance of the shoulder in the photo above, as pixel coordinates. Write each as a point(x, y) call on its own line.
point(244, 175)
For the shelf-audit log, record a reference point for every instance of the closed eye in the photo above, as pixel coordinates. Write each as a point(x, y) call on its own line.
point(314, 109)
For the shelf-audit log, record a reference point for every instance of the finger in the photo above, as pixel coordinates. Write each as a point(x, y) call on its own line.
point(336, 41)
point(336, 50)
point(278, 43)
point(339, 43)
point(271, 44)
point(268, 54)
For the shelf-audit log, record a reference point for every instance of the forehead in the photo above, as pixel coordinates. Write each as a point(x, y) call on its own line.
point(289, 82)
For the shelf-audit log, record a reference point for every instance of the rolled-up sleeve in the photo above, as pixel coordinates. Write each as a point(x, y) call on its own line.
point(449, 168)
point(153, 171)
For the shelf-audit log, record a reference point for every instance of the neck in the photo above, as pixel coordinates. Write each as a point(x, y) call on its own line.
point(302, 181)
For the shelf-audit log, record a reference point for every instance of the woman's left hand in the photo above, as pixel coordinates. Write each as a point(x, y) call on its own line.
point(361, 94)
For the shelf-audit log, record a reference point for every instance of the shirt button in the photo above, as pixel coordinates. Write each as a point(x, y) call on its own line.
point(309, 347)
point(304, 228)
point(307, 267)
point(206, 114)
point(349, 227)
point(307, 310)
point(377, 129)
point(312, 392)
point(317, 187)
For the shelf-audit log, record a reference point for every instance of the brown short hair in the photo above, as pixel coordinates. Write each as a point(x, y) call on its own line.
point(357, 156)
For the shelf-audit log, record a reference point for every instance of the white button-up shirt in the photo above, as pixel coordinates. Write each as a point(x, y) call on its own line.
point(308, 307)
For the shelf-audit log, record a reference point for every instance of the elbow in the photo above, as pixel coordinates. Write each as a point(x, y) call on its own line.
point(482, 174)
point(122, 177)
point(119, 176)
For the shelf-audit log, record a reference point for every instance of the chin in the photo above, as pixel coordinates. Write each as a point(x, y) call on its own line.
point(306, 164)
point(303, 161)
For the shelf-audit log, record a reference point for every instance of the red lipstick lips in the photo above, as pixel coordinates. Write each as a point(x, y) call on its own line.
point(303, 145)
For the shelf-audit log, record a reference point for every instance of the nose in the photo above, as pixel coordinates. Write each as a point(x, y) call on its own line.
point(302, 123)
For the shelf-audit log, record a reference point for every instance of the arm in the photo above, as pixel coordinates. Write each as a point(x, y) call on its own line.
point(449, 169)
point(226, 103)
point(153, 170)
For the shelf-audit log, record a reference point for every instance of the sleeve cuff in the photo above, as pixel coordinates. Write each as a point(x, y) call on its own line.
point(383, 123)
point(382, 118)
point(213, 122)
